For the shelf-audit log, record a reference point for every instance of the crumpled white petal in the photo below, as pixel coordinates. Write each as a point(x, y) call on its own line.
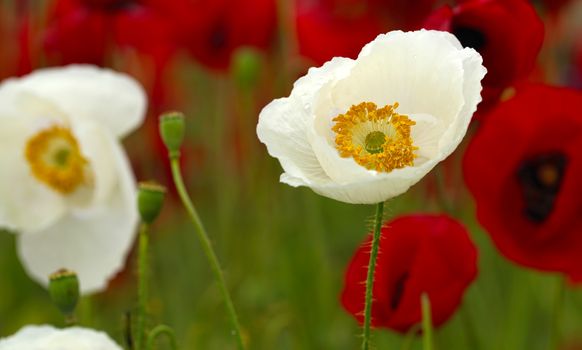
point(92, 241)
point(113, 100)
point(434, 79)
point(44, 337)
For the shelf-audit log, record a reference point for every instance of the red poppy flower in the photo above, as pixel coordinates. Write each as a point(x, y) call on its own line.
point(524, 168)
point(507, 33)
point(212, 30)
point(332, 28)
point(430, 254)
point(86, 31)
point(323, 33)
point(395, 14)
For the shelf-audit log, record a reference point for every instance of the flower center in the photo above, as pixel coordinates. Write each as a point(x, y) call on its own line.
point(377, 139)
point(540, 179)
point(374, 142)
point(55, 159)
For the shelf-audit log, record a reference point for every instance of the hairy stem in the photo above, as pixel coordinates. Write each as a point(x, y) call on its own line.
point(370, 279)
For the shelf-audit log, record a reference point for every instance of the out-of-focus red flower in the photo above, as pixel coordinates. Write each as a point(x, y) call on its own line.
point(323, 34)
point(212, 30)
point(7, 62)
point(395, 14)
point(418, 254)
point(88, 31)
point(507, 33)
point(15, 36)
point(524, 168)
point(330, 28)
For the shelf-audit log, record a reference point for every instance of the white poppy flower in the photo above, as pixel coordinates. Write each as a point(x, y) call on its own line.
point(66, 186)
point(50, 338)
point(365, 130)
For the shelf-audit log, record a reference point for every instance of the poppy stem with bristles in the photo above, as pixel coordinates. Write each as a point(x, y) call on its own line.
point(370, 279)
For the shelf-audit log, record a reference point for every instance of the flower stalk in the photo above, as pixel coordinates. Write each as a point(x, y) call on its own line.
point(142, 286)
point(427, 336)
point(206, 247)
point(150, 199)
point(172, 130)
point(370, 279)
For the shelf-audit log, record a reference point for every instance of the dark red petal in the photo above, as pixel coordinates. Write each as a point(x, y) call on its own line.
point(418, 254)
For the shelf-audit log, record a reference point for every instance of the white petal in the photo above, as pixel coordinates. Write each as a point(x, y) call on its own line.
point(282, 128)
point(380, 187)
point(427, 134)
point(94, 242)
point(112, 99)
point(21, 115)
point(97, 147)
point(49, 338)
point(473, 74)
point(307, 88)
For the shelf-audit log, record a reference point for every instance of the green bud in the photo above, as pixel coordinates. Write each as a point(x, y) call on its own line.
point(64, 290)
point(172, 127)
point(150, 198)
point(246, 67)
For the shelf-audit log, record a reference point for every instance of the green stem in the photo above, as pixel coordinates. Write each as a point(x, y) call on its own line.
point(161, 330)
point(370, 279)
point(142, 284)
point(206, 247)
point(556, 326)
point(427, 338)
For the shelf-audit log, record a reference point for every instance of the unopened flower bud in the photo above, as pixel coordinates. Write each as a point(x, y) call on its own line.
point(64, 290)
point(172, 127)
point(246, 67)
point(150, 198)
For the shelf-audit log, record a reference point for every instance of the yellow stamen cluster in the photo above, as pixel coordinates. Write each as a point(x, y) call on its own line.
point(359, 135)
point(55, 159)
